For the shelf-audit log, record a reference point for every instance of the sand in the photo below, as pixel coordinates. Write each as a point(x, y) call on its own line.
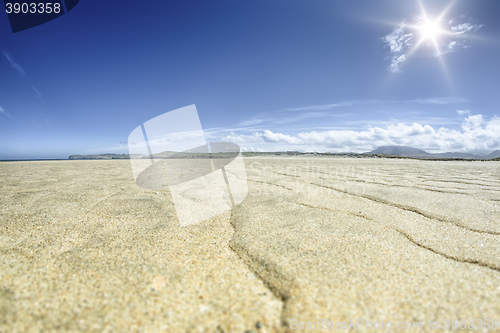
point(317, 239)
point(85, 249)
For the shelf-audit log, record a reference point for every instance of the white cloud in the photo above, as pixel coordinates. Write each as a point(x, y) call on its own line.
point(14, 64)
point(396, 63)
point(269, 136)
point(429, 100)
point(463, 112)
point(334, 105)
point(472, 122)
point(475, 133)
point(398, 41)
point(438, 100)
point(463, 28)
point(38, 94)
point(457, 39)
point(277, 117)
point(451, 47)
point(251, 122)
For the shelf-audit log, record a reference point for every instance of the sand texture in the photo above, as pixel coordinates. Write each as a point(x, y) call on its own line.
point(84, 248)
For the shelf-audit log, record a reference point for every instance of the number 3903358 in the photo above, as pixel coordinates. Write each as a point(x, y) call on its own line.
point(33, 8)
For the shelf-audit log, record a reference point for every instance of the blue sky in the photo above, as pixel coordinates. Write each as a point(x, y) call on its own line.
point(268, 75)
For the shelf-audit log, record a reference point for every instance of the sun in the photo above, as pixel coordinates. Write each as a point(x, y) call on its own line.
point(430, 30)
point(429, 34)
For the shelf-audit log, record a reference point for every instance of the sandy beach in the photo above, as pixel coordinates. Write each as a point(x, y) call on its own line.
point(327, 240)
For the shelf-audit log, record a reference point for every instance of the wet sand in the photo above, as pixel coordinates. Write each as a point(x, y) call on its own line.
point(85, 249)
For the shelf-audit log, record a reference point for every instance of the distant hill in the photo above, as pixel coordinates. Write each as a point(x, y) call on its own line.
point(419, 153)
point(101, 157)
point(466, 156)
point(380, 152)
point(98, 157)
point(493, 155)
point(163, 155)
point(400, 151)
point(190, 155)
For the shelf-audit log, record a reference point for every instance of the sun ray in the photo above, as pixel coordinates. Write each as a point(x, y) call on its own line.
point(430, 29)
point(446, 10)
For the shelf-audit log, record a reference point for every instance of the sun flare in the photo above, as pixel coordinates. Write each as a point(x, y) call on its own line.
point(430, 32)
point(430, 29)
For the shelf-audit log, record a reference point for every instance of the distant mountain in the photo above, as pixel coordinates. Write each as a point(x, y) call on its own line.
point(492, 155)
point(382, 151)
point(401, 151)
point(466, 156)
point(419, 153)
point(102, 157)
point(162, 155)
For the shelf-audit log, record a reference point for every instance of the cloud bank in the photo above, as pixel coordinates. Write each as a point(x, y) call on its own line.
point(475, 133)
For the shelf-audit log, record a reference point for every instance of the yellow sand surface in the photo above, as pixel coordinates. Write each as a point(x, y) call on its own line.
point(317, 240)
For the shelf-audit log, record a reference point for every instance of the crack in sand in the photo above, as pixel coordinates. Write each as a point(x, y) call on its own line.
point(470, 261)
point(410, 209)
point(285, 174)
point(457, 259)
point(333, 210)
point(265, 271)
point(404, 186)
point(492, 183)
point(263, 182)
point(104, 199)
